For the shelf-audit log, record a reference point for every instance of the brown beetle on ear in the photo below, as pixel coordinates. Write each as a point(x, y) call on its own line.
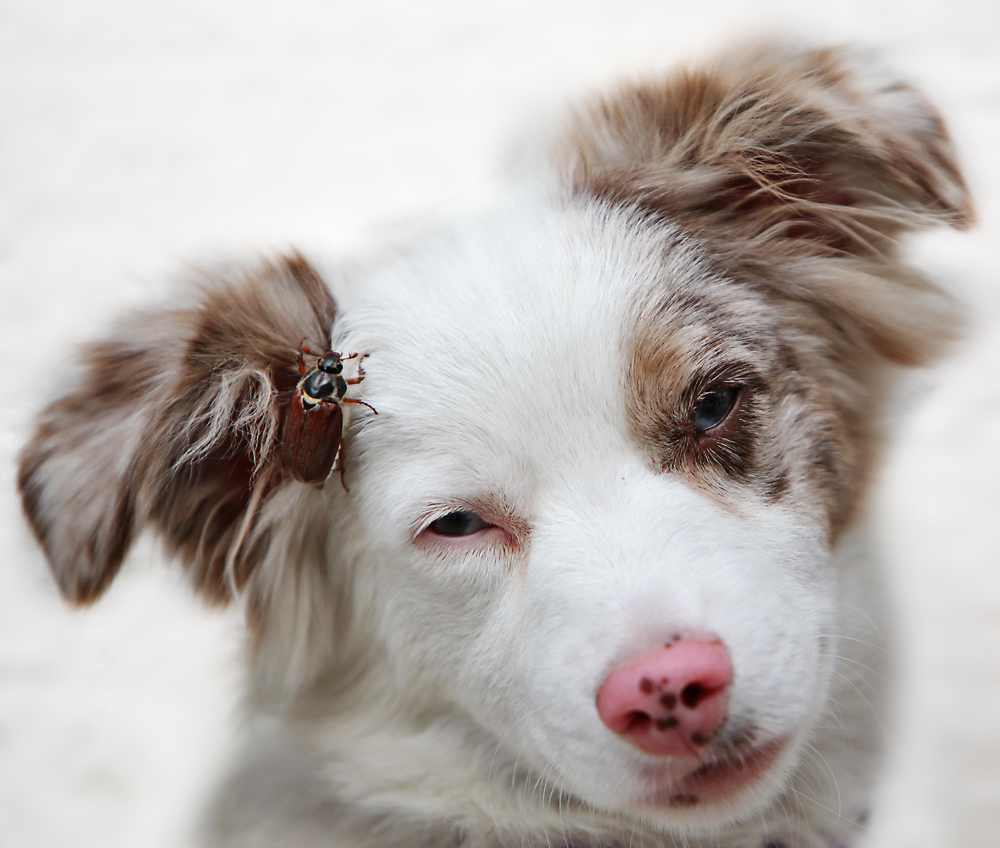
point(313, 432)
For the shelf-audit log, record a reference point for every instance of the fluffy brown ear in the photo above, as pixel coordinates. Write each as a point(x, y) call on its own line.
point(779, 161)
point(174, 423)
point(821, 146)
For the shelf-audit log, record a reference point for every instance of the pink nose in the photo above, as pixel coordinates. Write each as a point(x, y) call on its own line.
point(671, 700)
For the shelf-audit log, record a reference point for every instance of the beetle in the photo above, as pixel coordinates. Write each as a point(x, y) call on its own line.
point(313, 432)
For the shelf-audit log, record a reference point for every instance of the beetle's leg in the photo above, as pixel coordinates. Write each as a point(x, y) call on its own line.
point(353, 400)
point(338, 463)
point(303, 349)
point(361, 371)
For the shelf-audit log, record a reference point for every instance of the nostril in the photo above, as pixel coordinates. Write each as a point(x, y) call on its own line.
point(639, 721)
point(693, 694)
point(636, 721)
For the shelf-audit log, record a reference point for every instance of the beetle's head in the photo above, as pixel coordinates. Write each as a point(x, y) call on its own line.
point(330, 363)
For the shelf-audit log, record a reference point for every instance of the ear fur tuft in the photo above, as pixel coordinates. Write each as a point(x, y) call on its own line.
point(173, 424)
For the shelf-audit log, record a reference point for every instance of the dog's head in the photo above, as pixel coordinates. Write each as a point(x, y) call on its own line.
point(623, 422)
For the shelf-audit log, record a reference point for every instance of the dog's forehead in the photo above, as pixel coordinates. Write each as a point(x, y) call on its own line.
point(510, 327)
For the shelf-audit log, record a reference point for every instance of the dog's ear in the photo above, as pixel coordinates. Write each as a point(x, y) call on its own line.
point(174, 423)
point(772, 155)
point(822, 146)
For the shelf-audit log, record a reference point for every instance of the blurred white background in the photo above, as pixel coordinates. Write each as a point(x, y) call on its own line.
point(138, 136)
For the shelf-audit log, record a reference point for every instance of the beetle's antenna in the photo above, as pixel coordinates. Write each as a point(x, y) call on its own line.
point(355, 400)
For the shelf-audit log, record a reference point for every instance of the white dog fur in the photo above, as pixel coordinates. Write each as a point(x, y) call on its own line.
point(539, 364)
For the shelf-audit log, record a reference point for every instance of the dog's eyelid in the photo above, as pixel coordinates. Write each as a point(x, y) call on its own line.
point(462, 531)
point(458, 523)
point(486, 522)
point(437, 510)
point(728, 375)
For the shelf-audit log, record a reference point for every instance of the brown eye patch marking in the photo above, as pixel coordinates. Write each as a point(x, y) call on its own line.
point(701, 419)
point(784, 435)
point(781, 435)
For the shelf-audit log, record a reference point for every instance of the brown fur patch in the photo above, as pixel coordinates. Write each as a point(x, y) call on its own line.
point(173, 423)
point(804, 424)
point(815, 147)
point(678, 355)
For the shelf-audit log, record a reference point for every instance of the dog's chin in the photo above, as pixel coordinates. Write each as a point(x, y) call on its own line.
point(713, 792)
point(719, 780)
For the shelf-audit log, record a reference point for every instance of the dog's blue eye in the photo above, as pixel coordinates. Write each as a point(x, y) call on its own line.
point(713, 408)
point(462, 522)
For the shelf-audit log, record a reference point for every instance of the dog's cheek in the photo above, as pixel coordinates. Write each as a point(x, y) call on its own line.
point(430, 609)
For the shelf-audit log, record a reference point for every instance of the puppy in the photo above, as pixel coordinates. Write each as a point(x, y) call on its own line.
point(595, 573)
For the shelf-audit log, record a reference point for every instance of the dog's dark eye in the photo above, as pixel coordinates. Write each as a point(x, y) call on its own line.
point(462, 522)
point(713, 408)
